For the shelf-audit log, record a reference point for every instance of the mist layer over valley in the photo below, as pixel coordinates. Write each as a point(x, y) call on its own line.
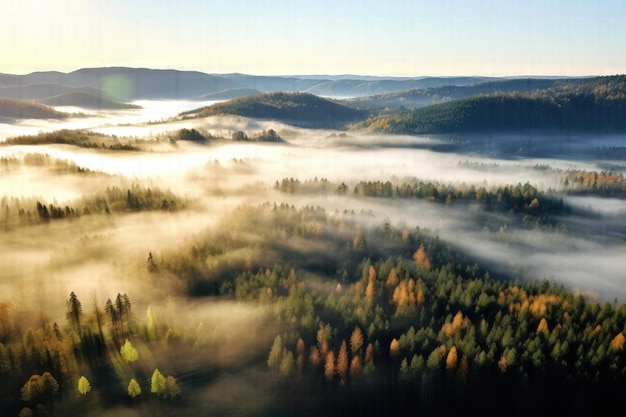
point(252, 250)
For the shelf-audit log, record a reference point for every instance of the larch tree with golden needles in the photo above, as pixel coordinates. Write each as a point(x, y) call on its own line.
point(392, 279)
point(314, 357)
point(394, 348)
point(420, 258)
point(355, 366)
point(543, 327)
point(617, 343)
point(300, 352)
point(369, 353)
point(356, 340)
point(371, 282)
point(342, 361)
point(329, 366)
point(452, 358)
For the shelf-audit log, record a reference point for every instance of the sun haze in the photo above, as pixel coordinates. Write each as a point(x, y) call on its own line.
point(401, 38)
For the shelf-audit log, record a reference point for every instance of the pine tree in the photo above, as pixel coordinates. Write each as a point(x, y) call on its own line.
point(287, 363)
point(74, 312)
point(275, 356)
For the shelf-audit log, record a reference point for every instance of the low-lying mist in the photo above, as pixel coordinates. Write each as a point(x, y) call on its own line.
point(221, 245)
point(225, 174)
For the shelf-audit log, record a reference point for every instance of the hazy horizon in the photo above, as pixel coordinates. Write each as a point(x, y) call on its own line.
point(397, 38)
point(321, 75)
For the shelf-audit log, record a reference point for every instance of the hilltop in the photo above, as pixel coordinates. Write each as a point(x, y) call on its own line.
point(230, 94)
point(421, 97)
point(86, 100)
point(300, 109)
point(21, 109)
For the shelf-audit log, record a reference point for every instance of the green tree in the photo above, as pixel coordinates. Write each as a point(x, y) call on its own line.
point(74, 311)
point(157, 384)
point(133, 388)
point(128, 351)
point(404, 370)
point(276, 353)
point(151, 323)
point(83, 385)
point(287, 363)
point(435, 358)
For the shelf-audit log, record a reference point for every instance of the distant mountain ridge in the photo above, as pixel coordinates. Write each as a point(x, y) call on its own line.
point(146, 83)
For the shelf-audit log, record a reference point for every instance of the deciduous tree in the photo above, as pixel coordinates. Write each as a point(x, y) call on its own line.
point(342, 361)
point(83, 385)
point(356, 340)
point(133, 388)
point(128, 351)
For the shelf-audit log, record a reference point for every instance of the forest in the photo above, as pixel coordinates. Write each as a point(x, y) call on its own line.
point(269, 255)
point(585, 105)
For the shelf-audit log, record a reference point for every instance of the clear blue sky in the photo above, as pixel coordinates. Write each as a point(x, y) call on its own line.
point(393, 37)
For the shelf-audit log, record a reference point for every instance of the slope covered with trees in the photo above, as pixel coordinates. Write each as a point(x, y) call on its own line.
point(421, 97)
point(579, 105)
point(20, 109)
point(299, 109)
point(85, 100)
point(79, 137)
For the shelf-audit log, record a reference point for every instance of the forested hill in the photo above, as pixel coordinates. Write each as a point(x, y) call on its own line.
point(300, 109)
point(580, 105)
point(421, 97)
point(86, 100)
point(20, 109)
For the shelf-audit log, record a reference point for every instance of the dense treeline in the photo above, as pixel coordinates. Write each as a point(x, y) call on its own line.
point(514, 198)
point(38, 160)
point(605, 183)
point(82, 138)
point(113, 199)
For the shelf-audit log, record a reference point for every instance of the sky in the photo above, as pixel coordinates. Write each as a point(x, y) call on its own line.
point(287, 37)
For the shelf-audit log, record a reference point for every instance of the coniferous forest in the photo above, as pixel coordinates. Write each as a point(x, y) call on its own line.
point(248, 258)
